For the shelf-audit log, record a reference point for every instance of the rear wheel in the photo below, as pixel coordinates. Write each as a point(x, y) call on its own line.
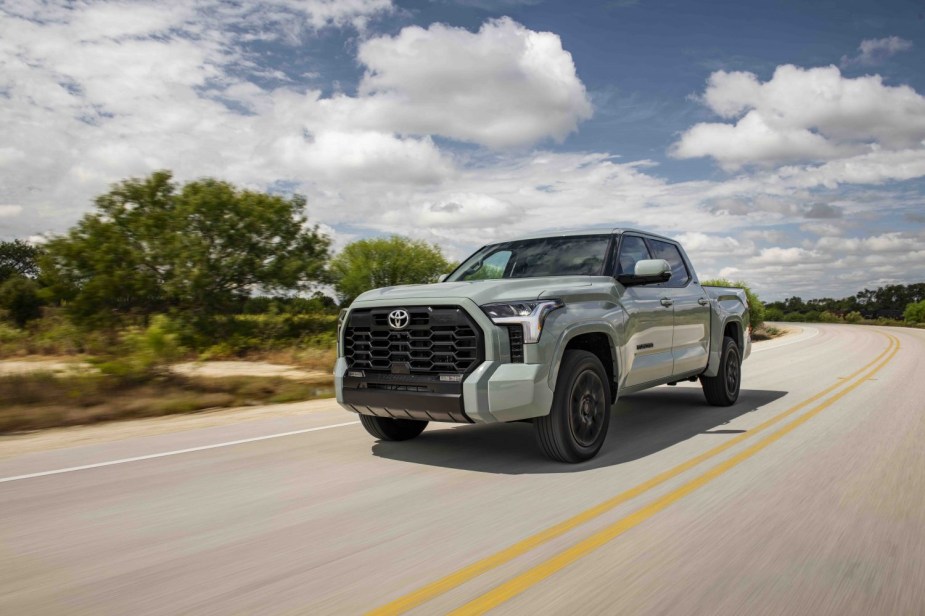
point(388, 429)
point(577, 424)
point(723, 389)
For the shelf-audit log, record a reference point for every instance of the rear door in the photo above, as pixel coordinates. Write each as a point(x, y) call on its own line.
point(650, 320)
point(691, 340)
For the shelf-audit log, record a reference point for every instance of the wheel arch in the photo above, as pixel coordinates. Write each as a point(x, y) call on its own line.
point(596, 338)
point(735, 329)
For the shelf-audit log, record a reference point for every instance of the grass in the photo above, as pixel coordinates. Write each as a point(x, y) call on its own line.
point(766, 332)
point(36, 401)
point(308, 358)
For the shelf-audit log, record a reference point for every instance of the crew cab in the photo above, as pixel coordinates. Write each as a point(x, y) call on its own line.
point(550, 329)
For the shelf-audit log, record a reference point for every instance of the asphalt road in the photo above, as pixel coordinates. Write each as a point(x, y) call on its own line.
point(806, 497)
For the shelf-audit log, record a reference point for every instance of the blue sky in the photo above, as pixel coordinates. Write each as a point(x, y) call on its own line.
point(783, 143)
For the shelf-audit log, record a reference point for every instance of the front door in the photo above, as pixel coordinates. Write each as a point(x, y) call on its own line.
point(650, 321)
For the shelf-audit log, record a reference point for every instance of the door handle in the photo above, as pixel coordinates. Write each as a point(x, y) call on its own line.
point(666, 302)
point(703, 301)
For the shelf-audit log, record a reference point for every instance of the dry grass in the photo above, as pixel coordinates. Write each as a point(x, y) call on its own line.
point(35, 401)
point(310, 358)
point(767, 332)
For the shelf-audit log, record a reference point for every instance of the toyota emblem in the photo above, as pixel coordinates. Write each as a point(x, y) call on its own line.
point(399, 319)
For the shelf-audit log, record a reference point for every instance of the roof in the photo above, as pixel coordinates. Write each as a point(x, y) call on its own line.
point(599, 230)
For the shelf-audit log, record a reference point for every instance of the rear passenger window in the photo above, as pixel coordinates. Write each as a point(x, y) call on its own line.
point(669, 252)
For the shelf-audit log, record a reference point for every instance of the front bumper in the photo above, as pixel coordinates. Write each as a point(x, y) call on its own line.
point(493, 392)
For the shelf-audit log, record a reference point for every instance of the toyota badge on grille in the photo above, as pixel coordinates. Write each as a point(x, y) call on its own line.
point(399, 319)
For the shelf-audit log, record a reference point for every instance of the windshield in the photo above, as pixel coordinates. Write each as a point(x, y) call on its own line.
point(581, 255)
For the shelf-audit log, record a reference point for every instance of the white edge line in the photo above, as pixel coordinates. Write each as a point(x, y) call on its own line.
point(173, 453)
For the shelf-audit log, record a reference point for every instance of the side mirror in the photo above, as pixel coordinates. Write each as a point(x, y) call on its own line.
point(442, 277)
point(647, 271)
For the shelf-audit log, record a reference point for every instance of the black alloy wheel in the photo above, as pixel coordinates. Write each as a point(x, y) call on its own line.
point(723, 389)
point(587, 408)
point(576, 426)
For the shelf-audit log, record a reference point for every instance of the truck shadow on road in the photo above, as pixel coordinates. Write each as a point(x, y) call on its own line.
point(641, 425)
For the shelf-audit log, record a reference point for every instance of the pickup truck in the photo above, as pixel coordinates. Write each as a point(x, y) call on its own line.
point(550, 329)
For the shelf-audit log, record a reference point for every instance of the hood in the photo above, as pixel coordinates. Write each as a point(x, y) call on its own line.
point(480, 291)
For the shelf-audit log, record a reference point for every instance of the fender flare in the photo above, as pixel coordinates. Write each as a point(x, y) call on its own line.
point(716, 344)
point(578, 329)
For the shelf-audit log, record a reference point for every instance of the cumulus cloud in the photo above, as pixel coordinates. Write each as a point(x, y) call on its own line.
point(345, 156)
point(800, 115)
point(875, 51)
point(96, 92)
point(504, 85)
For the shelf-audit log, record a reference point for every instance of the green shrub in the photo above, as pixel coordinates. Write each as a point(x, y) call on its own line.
point(19, 297)
point(773, 314)
point(235, 336)
point(144, 352)
point(10, 334)
point(853, 317)
point(915, 313)
point(828, 317)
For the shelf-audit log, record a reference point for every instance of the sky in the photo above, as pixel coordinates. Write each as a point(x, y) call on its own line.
point(783, 143)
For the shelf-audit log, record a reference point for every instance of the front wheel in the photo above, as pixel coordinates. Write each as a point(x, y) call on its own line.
point(577, 424)
point(388, 429)
point(723, 389)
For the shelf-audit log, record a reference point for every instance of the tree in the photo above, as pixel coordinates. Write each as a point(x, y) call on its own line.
point(19, 297)
point(915, 313)
point(385, 262)
point(773, 313)
point(755, 307)
point(200, 250)
point(18, 258)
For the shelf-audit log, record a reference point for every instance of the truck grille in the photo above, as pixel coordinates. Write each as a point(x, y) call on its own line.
point(437, 340)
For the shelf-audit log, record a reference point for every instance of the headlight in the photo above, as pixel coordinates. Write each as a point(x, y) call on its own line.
point(530, 315)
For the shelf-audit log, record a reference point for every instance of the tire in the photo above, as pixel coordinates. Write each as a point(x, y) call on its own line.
point(387, 429)
point(723, 389)
point(576, 426)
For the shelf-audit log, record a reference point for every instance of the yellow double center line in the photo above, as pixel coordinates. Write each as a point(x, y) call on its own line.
point(518, 584)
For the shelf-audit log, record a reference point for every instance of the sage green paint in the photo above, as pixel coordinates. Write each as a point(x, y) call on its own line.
point(638, 325)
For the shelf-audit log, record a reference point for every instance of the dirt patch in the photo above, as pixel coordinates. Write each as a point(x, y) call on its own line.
point(203, 369)
point(9, 367)
point(221, 369)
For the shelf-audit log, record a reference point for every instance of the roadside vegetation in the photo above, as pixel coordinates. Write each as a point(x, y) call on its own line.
point(43, 400)
point(896, 305)
point(160, 273)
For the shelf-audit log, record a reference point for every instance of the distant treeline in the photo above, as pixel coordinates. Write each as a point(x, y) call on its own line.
point(888, 302)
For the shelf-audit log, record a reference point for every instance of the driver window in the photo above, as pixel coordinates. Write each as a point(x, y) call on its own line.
point(492, 267)
point(632, 249)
